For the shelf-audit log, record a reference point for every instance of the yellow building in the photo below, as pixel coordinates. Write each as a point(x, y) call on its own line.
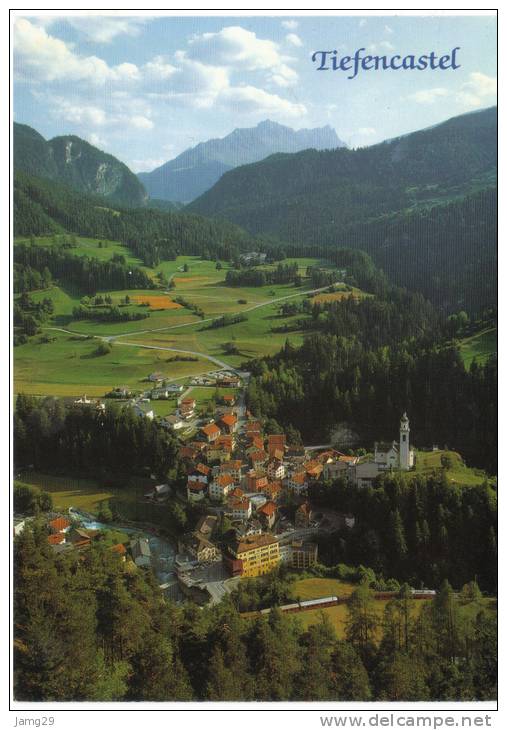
point(254, 555)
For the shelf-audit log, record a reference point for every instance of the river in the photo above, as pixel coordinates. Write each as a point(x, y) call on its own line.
point(162, 551)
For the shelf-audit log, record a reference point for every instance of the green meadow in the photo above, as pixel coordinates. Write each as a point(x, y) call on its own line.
point(68, 366)
point(428, 462)
point(479, 347)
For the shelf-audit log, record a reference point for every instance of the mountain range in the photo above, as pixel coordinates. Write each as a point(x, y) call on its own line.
point(76, 163)
point(197, 169)
point(422, 205)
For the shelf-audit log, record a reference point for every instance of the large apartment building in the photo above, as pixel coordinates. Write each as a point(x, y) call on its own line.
point(253, 555)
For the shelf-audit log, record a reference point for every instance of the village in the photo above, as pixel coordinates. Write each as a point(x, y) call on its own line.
point(249, 488)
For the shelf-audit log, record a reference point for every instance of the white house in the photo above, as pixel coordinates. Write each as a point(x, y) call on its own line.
point(174, 422)
point(220, 487)
point(240, 509)
point(276, 469)
point(140, 412)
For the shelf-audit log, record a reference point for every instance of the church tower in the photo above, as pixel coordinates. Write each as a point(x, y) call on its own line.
point(404, 443)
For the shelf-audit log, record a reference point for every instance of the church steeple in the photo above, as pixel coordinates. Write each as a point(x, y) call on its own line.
point(404, 443)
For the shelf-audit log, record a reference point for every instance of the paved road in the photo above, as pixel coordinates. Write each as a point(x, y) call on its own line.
point(222, 365)
point(111, 338)
point(216, 361)
point(320, 446)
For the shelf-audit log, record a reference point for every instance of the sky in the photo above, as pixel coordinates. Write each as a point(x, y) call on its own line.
point(145, 88)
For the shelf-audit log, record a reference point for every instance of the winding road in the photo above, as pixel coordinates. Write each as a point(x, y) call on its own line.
point(216, 361)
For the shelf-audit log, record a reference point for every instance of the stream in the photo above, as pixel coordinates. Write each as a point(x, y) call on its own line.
point(162, 551)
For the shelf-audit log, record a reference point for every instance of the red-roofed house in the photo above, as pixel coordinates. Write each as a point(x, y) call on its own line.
point(313, 469)
point(236, 493)
point(56, 539)
point(267, 513)
point(221, 486)
point(211, 432)
point(255, 482)
point(298, 483)
point(187, 407)
point(273, 490)
point(255, 442)
point(229, 422)
point(258, 459)
point(196, 490)
point(276, 442)
point(60, 524)
point(120, 550)
point(188, 452)
point(233, 468)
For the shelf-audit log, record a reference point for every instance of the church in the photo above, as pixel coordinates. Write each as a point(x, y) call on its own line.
point(396, 455)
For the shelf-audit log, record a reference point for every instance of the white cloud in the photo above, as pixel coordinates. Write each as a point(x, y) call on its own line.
point(294, 40)
point(234, 46)
point(102, 28)
point(121, 114)
point(147, 165)
point(284, 76)
point(228, 69)
point(290, 24)
point(140, 122)
point(78, 113)
point(362, 22)
point(96, 140)
point(381, 46)
point(429, 96)
point(366, 131)
point(246, 99)
point(479, 90)
point(159, 68)
point(40, 56)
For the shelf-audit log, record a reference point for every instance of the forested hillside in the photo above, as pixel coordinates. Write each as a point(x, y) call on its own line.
point(75, 162)
point(43, 206)
point(371, 360)
point(112, 635)
point(433, 189)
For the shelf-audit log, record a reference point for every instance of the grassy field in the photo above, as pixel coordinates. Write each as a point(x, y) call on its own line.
point(479, 347)
point(68, 366)
point(428, 461)
point(252, 338)
point(338, 615)
point(85, 494)
point(308, 588)
point(89, 247)
point(88, 495)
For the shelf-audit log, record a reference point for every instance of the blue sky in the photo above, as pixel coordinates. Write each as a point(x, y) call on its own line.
point(146, 88)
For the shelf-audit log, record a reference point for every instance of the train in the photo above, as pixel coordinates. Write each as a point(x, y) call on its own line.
point(329, 601)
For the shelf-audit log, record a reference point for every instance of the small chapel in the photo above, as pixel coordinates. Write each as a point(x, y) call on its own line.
point(396, 455)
